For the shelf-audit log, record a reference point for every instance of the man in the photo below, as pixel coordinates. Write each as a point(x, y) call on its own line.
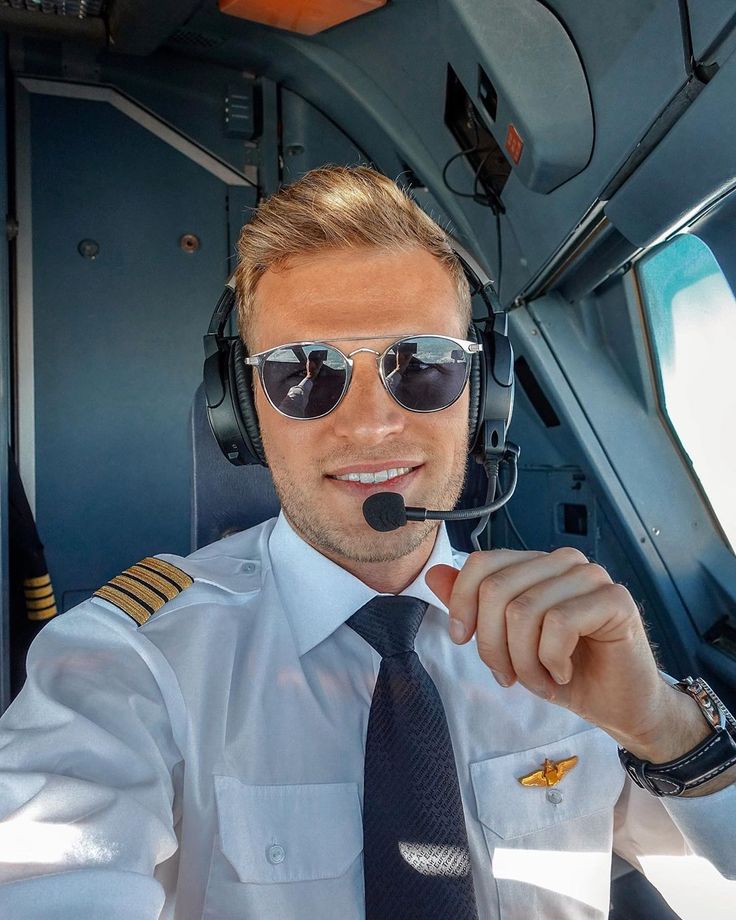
point(296, 402)
point(210, 762)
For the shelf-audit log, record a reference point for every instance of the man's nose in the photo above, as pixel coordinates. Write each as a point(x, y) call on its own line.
point(367, 414)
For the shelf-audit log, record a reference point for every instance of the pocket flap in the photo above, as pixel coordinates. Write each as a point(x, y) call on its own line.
point(288, 833)
point(511, 809)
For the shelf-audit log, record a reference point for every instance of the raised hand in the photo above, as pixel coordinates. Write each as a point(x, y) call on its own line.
point(559, 625)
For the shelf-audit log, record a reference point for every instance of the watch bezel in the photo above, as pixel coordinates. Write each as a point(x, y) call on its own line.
point(711, 705)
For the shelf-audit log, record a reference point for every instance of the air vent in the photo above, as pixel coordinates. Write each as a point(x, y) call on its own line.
point(535, 393)
point(77, 9)
point(188, 38)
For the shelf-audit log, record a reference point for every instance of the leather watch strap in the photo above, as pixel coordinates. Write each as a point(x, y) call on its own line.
point(713, 756)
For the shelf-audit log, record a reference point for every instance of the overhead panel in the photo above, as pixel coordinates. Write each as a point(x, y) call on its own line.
point(711, 24)
point(693, 165)
point(527, 81)
point(306, 16)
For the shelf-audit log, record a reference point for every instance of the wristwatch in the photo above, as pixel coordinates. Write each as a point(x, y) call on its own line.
point(711, 757)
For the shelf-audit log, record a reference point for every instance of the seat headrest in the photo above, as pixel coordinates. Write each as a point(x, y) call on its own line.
point(225, 498)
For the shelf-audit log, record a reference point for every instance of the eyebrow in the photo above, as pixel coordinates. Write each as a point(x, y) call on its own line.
point(366, 338)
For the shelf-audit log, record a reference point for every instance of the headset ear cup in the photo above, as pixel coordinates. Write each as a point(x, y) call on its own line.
point(475, 388)
point(241, 377)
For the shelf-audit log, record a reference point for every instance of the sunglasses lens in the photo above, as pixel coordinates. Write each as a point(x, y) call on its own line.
point(304, 381)
point(426, 373)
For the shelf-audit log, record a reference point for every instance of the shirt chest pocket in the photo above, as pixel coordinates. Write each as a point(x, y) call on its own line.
point(289, 833)
point(550, 845)
point(511, 809)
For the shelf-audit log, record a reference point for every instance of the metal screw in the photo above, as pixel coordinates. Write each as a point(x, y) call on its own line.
point(88, 249)
point(189, 242)
point(655, 531)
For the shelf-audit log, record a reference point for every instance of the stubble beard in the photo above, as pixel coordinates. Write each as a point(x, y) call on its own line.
point(353, 540)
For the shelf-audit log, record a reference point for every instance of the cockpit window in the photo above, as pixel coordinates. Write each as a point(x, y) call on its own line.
point(691, 315)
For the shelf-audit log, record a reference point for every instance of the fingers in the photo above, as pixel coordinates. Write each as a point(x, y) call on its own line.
point(606, 615)
point(478, 588)
point(440, 580)
point(503, 574)
point(504, 597)
point(463, 602)
point(525, 619)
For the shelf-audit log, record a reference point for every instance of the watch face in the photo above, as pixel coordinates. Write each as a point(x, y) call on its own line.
point(711, 705)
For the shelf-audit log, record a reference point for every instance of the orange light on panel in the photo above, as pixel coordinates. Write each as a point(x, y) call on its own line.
point(514, 144)
point(305, 16)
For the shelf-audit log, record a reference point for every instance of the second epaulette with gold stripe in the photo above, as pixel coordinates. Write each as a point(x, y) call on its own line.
point(39, 593)
point(145, 587)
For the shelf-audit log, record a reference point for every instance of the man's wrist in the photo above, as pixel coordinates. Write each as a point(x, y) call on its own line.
point(680, 728)
point(689, 752)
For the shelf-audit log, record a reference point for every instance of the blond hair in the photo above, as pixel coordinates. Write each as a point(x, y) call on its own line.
point(333, 208)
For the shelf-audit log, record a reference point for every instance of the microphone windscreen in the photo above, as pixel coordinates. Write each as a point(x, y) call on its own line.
point(385, 511)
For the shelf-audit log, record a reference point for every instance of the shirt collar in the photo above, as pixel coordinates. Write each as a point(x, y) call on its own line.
point(318, 595)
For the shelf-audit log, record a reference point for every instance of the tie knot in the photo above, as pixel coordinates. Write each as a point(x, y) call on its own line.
point(389, 622)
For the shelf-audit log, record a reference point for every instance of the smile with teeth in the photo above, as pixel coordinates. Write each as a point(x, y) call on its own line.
point(378, 476)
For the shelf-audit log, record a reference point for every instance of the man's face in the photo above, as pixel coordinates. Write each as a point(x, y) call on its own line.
point(352, 295)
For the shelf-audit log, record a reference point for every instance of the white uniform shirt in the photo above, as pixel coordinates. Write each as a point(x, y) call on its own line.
point(210, 763)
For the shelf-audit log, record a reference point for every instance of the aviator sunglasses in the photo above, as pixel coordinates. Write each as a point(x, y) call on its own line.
point(308, 380)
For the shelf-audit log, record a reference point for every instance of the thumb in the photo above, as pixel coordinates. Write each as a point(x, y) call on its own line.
point(440, 580)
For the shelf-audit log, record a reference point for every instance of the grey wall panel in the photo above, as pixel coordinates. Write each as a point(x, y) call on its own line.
point(117, 338)
point(240, 204)
point(310, 139)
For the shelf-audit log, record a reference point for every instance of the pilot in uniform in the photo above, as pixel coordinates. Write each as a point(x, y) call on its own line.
point(207, 760)
point(190, 743)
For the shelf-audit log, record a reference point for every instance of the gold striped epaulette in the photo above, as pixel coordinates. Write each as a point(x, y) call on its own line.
point(40, 603)
point(145, 587)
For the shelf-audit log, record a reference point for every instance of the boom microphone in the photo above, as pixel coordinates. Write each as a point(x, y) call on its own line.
point(386, 511)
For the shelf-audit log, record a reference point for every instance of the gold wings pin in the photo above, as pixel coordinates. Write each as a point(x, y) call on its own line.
point(551, 773)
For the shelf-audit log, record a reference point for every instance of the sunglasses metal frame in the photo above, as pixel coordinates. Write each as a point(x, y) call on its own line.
point(258, 359)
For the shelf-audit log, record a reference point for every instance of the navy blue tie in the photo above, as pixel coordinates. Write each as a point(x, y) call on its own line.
point(415, 845)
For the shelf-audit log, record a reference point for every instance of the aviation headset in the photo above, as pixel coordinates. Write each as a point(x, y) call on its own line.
point(228, 381)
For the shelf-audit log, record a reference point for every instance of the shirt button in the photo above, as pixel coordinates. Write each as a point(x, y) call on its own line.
point(276, 854)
